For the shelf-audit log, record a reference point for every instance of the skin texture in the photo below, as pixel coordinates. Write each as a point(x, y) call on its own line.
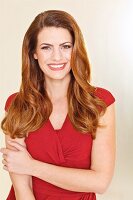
point(19, 163)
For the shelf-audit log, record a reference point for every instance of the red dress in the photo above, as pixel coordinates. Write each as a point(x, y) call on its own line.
point(64, 147)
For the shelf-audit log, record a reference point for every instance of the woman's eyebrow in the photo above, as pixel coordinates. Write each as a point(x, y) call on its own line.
point(46, 44)
point(52, 45)
point(65, 43)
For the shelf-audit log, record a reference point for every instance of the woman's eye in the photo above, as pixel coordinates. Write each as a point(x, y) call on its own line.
point(46, 48)
point(67, 46)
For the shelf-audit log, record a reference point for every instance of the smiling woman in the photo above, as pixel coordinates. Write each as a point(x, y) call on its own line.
point(53, 52)
point(59, 129)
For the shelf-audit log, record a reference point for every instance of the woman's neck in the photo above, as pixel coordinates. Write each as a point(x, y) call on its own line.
point(57, 89)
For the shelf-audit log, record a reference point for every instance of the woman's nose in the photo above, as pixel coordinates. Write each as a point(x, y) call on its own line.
point(57, 54)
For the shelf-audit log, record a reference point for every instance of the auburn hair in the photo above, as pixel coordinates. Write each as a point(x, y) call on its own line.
point(32, 106)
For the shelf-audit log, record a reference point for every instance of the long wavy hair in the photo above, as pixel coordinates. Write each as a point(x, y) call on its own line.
point(31, 107)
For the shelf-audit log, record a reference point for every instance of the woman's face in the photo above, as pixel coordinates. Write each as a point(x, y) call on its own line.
point(53, 52)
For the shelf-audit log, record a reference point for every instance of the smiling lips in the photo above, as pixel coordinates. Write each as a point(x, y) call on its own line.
point(57, 67)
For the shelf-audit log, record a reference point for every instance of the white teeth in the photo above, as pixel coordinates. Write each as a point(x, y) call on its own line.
point(57, 66)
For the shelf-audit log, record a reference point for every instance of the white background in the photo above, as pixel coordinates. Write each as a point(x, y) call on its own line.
point(107, 26)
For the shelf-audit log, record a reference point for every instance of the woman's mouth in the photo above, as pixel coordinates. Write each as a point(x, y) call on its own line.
point(57, 67)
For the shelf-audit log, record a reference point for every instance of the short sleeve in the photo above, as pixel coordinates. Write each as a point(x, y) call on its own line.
point(9, 101)
point(105, 95)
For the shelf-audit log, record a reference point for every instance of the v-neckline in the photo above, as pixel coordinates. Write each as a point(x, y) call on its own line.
point(61, 126)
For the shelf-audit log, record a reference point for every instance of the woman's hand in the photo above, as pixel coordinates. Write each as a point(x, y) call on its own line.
point(18, 161)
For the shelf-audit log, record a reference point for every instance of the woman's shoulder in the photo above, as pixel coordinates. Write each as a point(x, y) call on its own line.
point(9, 100)
point(105, 95)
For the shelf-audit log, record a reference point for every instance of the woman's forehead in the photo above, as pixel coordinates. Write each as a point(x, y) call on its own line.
point(53, 35)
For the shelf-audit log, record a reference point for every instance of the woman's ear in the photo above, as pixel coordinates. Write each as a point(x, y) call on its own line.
point(35, 56)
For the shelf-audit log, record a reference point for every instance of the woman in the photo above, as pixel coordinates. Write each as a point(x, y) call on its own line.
point(59, 129)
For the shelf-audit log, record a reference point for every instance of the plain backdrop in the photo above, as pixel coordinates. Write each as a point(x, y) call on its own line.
point(107, 26)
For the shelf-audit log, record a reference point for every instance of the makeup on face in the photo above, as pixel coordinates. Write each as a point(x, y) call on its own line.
point(53, 52)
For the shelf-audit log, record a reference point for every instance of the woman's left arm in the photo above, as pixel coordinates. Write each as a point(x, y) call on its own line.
point(97, 178)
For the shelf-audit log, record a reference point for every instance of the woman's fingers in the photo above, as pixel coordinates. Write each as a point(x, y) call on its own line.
point(5, 168)
point(4, 151)
point(4, 156)
point(16, 145)
point(4, 162)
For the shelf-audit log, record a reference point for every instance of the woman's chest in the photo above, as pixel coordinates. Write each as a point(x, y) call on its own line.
point(59, 114)
point(66, 147)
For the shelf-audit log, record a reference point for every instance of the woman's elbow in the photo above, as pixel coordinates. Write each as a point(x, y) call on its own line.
point(102, 189)
point(103, 186)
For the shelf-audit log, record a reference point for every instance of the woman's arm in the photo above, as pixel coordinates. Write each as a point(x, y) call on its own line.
point(22, 183)
point(95, 179)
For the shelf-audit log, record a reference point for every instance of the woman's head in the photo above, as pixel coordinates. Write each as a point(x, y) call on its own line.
point(53, 53)
point(51, 21)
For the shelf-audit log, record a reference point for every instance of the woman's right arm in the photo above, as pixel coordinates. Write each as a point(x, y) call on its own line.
point(22, 184)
